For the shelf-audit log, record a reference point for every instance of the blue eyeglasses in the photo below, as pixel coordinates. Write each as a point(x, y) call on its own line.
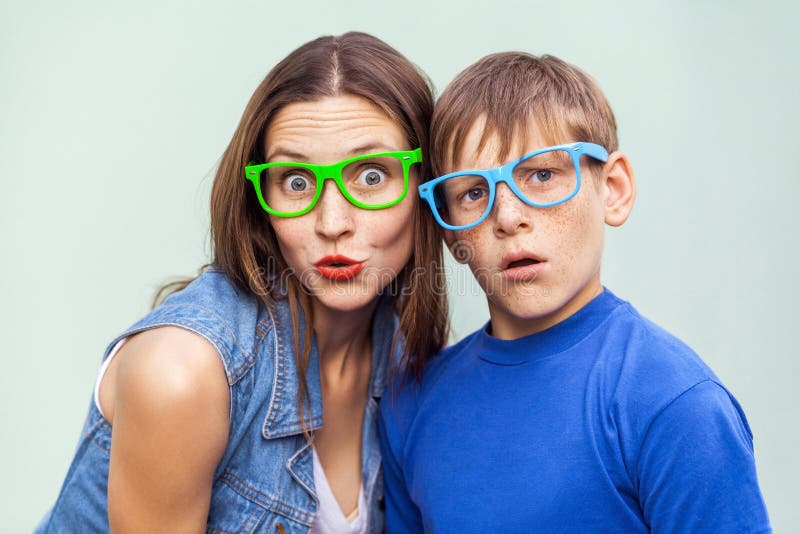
point(543, 178)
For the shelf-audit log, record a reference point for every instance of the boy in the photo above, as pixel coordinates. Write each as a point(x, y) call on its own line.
point(568, 411)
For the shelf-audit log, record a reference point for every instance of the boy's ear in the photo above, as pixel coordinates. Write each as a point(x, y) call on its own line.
point(619, 188)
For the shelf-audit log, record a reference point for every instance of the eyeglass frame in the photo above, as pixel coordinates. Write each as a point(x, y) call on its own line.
point(504, 174)
point(252, 172)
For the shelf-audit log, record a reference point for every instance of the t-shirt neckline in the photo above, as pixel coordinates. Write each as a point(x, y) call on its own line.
point(553, 340)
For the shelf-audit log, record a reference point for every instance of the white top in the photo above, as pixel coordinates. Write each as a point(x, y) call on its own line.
point(103, 369)
point(330, 519)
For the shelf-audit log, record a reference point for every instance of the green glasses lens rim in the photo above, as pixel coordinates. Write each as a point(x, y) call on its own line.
point(252, 172)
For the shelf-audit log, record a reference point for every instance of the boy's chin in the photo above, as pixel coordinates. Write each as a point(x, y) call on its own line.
point(513, 320)
point(530, 308)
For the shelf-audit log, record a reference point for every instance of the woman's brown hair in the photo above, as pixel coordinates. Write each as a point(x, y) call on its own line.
point(244, 244)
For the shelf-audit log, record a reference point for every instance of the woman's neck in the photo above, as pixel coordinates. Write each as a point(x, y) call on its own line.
point(343, 340)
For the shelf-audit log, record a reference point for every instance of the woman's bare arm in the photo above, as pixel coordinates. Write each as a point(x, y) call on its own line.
point(169, 430)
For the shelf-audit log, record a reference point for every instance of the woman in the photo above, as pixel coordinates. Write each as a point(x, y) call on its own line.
point(217, 397)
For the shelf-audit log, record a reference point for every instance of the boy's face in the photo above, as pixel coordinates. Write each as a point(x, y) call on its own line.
point(537, 266)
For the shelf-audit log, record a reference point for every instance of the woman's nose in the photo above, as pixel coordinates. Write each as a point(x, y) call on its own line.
point(334, 213)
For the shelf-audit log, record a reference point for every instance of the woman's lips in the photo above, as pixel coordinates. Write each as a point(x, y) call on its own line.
point(339, 268)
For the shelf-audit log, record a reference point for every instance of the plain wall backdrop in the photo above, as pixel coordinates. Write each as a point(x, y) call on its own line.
point(113, 117)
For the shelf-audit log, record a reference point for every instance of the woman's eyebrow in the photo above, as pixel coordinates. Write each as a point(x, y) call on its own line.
point(367, 148)
point(288, 154)
point(370, 148)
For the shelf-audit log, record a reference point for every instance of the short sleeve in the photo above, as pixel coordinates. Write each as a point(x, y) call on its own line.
point(402, 515)
point(696, 471)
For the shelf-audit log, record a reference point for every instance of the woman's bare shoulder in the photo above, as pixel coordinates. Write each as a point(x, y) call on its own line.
point(164, 369)
point(170, 430)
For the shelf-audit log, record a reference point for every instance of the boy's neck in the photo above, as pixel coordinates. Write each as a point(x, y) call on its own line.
point(506, 325)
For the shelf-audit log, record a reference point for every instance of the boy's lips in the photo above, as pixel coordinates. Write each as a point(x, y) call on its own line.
point(521, 266)
point(338, 268)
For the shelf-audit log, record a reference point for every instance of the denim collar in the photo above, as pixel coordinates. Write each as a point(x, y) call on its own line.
point(283, 417)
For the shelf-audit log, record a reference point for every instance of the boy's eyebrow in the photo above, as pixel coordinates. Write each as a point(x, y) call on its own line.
point(553, 155)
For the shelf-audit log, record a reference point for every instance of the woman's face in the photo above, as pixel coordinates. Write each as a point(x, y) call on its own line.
point(343, 255)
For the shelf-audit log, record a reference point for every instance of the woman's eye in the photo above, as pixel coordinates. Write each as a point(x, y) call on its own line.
point(371, 176)
point(541, 176)
point(296, 182)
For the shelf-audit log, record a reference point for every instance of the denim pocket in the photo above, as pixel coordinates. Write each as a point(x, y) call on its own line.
point(232, 512)
point(237, 507)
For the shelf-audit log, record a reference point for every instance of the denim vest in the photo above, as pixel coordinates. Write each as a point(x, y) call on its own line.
point(265, 480)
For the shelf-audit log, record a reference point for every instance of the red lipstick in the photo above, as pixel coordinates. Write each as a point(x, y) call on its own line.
point(339, 268)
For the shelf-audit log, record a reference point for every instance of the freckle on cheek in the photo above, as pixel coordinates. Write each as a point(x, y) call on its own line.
point(467, 244)
point(469, 234)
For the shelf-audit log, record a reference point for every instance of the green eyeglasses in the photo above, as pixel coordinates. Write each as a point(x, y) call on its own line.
point(369, 181)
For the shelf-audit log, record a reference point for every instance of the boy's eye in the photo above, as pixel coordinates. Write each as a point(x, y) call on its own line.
point(541, 176)
point(475, 194)
point(465, 192)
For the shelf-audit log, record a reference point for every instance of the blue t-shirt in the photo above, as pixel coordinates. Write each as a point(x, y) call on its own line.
point(602, 423)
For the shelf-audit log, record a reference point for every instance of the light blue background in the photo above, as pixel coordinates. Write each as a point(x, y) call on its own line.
point(113, 116)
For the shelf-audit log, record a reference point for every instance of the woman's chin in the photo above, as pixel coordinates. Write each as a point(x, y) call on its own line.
point(344, 297)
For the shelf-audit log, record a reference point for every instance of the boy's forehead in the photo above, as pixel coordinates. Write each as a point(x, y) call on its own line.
point(483, 149)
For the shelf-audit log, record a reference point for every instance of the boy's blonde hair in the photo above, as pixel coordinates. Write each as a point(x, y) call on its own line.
point(511, 88)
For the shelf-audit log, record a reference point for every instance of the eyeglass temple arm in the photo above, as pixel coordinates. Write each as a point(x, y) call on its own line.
point(594, 151)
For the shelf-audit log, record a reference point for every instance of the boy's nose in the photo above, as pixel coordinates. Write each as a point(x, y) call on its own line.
point(333, 212)
point(510, 214)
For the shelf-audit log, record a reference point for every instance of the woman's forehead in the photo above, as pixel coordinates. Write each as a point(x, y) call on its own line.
point(341, 125)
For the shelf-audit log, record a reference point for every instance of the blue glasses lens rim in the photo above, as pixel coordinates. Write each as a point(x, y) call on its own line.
point(502, 174)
